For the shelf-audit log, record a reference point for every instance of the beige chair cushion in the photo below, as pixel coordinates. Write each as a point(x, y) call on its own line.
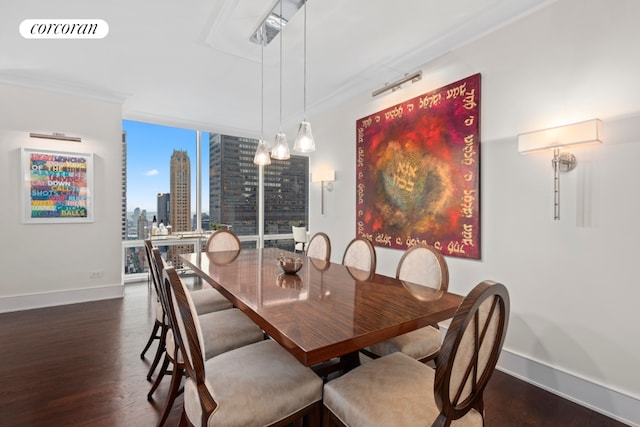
point(317, 248)
point(208, 300)
point(418, 344)
point(467, 349)
point(358, 256)
point(421, 267)
point(394, 390)
point(222, 331)
point(221, 241)
point(254, 385)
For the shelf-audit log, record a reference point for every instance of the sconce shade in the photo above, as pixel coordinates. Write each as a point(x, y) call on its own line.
point(325, 175)
point(304, 142)
point(262, 154)
point(280, 149)
point(586, 132)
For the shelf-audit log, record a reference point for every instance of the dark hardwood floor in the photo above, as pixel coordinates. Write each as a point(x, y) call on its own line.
point(79, 365)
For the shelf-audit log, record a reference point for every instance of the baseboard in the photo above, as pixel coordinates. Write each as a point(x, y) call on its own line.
point(597, 397)
point(49, 299)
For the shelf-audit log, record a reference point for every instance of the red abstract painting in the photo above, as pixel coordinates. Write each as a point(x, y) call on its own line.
point(418, 172)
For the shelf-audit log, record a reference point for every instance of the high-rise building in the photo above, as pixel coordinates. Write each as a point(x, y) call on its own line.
point(233, 187)
point(164, 208)
point(180, 190)
point(143, 226)
point(180, 202)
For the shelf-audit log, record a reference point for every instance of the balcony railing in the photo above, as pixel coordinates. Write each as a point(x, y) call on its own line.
point(135, 267)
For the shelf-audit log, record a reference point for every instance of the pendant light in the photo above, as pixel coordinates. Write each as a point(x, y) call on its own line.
point(304, 142)
point(280, 149)
point(262, 152)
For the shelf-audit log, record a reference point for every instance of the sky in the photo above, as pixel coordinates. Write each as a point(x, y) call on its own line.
point(149, 149)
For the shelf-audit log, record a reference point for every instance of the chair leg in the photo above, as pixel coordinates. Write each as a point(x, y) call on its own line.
point(152, 337)
point(159, 352)
point(176, 379)
point(161, 374)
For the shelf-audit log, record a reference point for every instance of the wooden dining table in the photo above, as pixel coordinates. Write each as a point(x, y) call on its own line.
point(326, 310)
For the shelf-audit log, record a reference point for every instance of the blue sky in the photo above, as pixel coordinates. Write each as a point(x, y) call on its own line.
point(149, 149)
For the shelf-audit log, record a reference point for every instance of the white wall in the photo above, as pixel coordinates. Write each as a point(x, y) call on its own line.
point(573, 283)
point(50, 264)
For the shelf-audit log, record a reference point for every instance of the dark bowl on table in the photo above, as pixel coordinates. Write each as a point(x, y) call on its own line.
point(290, 265)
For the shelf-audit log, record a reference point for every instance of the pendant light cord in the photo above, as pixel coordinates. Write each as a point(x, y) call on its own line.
point(304, 54)
point(281, 33)
point(262, 85)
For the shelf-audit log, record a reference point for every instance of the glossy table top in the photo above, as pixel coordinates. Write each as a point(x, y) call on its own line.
point(323, 311)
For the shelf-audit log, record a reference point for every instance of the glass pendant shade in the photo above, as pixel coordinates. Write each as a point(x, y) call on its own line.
point(304, 139)
point(262, 154)
point(280, 149)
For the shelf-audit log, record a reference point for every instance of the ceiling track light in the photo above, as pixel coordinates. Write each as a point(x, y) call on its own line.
point(274, 22)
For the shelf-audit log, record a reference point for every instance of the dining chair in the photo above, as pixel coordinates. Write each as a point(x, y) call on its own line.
point(206, 300)
point(222, 240)
point(319, 247)
point(222, 330)
point(160, 324)
point(419, 266)
point(299, 238)
point(360, 258)
point(398, 390)
point(260, 384)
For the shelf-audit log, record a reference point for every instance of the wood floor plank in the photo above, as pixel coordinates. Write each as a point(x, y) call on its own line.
point(79, 365)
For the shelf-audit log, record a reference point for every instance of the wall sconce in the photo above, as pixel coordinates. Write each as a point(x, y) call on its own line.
point(587, 132)
point(326, 178)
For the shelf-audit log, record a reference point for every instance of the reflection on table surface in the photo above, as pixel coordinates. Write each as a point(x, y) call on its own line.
point(323, 311)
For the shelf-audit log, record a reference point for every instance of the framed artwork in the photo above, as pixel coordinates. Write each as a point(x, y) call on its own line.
point(418, 172)
point(57, 187)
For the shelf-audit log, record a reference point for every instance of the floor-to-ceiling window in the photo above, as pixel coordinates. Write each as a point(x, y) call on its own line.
point(160, 175)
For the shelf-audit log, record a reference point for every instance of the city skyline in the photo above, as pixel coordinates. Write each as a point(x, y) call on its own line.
point(149, 150)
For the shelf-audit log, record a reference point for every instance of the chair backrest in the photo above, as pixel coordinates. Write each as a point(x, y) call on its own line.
point(188, 336)
point(148, 247)
point(360, 255)
point(159, 266)
point(299, 234)
point(470, 351)
point(222, 240)
point(319, 247)
point(424, 265)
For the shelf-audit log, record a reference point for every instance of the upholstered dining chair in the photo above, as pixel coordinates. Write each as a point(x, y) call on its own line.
point(206, 300)
point(360, 258)
point(418, 266)
point(398, 390)
point(299, 238)
point(222, 240)
point(319, 246)
point(222, 330)
point(261, 384)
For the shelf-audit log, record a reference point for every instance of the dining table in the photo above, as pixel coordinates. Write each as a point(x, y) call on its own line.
point(326, 311)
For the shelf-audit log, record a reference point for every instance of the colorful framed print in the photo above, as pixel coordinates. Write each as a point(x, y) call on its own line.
point(418, 172)
point(57, 186)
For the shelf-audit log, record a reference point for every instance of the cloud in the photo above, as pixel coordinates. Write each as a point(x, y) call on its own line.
point(152, 172)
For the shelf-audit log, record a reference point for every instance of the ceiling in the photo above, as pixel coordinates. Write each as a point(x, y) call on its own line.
point(191, 64)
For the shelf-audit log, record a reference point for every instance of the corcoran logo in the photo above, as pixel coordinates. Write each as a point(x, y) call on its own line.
point(64, 29)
